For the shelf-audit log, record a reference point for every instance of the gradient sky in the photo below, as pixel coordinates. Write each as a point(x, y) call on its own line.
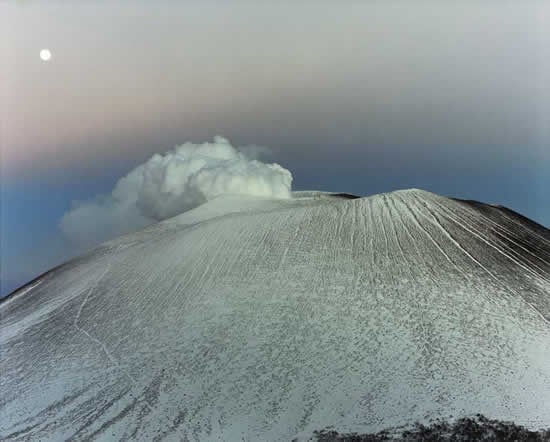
point(362, 97)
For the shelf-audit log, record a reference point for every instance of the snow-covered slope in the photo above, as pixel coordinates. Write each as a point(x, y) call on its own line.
point(261, 319)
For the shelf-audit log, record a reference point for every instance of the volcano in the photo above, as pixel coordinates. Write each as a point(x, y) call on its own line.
point(253, 318)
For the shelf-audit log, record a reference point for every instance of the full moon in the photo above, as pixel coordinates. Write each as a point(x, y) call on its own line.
point(45, 54)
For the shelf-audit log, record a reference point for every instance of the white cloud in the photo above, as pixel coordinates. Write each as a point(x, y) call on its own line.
point(167, 185)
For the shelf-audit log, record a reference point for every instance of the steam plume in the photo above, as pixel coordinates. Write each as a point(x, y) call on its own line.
point(167, 185)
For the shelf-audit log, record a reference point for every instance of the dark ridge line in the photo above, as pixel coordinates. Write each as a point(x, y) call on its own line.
point(12, 294)
point(45, 274)
point(511, 213)
point(344, 195)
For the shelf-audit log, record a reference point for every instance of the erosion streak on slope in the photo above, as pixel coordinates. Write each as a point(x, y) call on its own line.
point(354, 223)
point(417, 223)
point(456, 219)
point(79, 312)
point(259, 319)
point(392, 219)
point(358, 225)
point(438, 223)
point(509, 233)
point(377, 222)
point(289, 244)
point(421, 256)
point(531, 231)
point(477, 233)
point(386, 243)
point(435, 221)
point(367, 208)
point(23, 291)
point(397, 196)
point(421, 322)
point(111, 358)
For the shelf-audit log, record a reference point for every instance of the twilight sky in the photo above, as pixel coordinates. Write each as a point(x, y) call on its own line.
point(362, 97)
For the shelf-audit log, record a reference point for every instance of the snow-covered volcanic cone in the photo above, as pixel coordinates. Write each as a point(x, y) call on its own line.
point(262, 319)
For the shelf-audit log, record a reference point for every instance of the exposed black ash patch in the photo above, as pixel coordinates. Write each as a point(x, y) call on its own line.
point(478, 428)
point(344, 195)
